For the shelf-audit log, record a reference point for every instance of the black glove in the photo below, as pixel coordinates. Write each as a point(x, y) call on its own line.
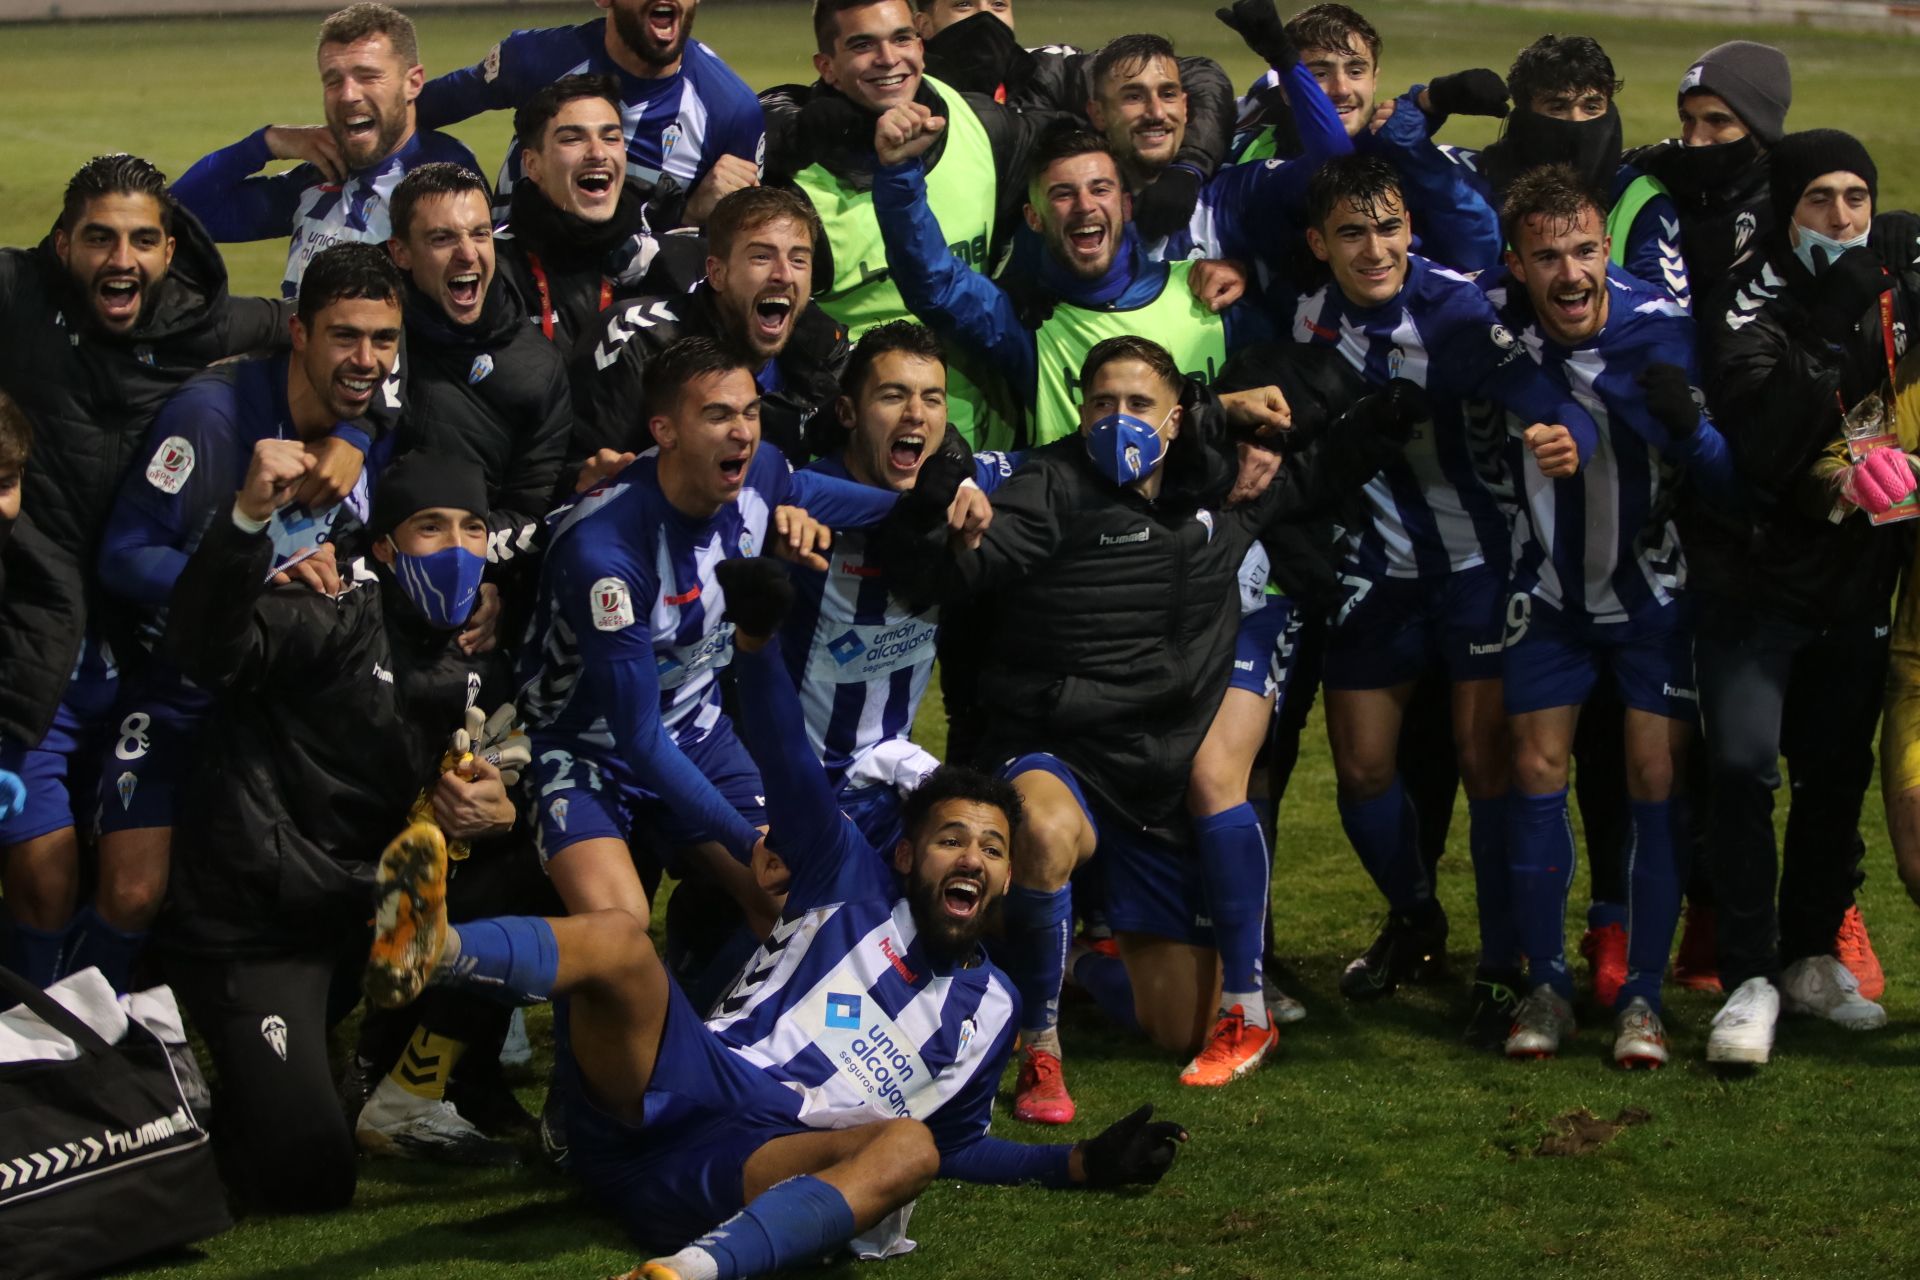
point(1131, 1151)
point(1257, 23)
point(1166, 204)
point(1670, 399)
point(1477, 92)
point(1394, 409)
point(758, 593)
point(939, 480)
point(1846, 289)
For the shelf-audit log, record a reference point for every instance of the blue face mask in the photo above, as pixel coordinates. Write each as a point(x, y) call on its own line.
point(1817, 252)
point(442, 586)
point(1126, 448)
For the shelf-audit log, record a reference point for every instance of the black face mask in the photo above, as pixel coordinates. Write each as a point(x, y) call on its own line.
point(1592, 147)
point(1697, 171)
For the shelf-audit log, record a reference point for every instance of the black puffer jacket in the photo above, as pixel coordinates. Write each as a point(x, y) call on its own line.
point(43, 615)
point(1113, 637)
point(331, 716)
point(609, 366)
point(494, 391)
point(91, 396)
point(1719, 219)
point(565, 269)
point(1775, 387)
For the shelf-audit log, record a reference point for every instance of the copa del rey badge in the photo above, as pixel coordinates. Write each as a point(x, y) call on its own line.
point(612, 605)
point(172, 464)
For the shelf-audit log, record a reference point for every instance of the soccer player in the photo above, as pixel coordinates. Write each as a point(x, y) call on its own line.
point(1564, 112)
point(859, 654)
point(576, 234)
point(756, 299)
point(346, 334)
point(1598, 583)
point(1423, 581)
point(481, 383)
point(330, 718)
point(858, 1056)
point(870, 61)
point(1340, 50)
point(1094, 281)
point(370, 75)
point(620, 686)
point(1802, 331)
point(1114, 560)
point(931, 17)
point(690, 122)
point(121, 303)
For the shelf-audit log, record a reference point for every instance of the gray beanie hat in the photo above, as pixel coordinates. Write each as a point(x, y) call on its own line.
point(1751, 78)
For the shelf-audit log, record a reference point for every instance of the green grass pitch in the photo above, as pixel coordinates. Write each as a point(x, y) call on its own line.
point(1372, 1146)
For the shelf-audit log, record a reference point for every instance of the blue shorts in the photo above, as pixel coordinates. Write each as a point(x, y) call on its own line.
point(1552, 660)
point(1265, 650)
point(1391, 631)
point(588, 793)
point(152, 730)
point(60, 771)
point(679, 1171)
point(1151, 887)
point(875, 810)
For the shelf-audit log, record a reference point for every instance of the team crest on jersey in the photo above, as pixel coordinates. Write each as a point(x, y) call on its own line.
point(1743, 228)
point(172, 464)
point(273, 1029)
point(1397, 359)
point(558, 812)
point(612, 605)
point(1503, 337)
point(473, 689)
point(747, 545)
point(669, 139)
point(482, 366)
point(125, 784)
point(490, 68)
point(968, 1030)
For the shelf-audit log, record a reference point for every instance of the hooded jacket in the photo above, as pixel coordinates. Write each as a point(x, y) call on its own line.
point(565, 269)
point(609, 367)
point(1775, 388)
point(494, 391)
point(1112, 640)
point(330, 717)
point(91, 395)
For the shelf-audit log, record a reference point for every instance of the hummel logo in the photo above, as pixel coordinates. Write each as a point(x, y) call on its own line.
point(1670, 691)
point(1121, 539)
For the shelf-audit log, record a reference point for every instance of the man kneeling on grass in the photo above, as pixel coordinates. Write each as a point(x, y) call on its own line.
point(857, 1057)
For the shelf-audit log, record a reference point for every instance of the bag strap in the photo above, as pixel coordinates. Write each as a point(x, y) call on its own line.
point(54, 1014)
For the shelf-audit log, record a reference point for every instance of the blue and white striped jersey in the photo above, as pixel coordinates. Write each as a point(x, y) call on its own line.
point(227, 192)
point(1433, 509)
point(860, 658)
point(675, 125)
point(843, 1004)
point(630, 577)
point(1601, 545)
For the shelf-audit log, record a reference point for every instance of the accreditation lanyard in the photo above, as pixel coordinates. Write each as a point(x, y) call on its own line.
point(606, 295)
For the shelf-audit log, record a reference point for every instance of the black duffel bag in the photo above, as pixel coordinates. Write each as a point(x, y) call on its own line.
point(102, 1160)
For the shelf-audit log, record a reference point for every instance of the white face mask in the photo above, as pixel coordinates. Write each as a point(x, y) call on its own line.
point(1817, 252)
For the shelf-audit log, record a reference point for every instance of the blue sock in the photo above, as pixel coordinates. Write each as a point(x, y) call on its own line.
point(1493, 884)
point(513, 958)
point(1105, 979)
point(1385, 832)
point(1602, 914)
point(1540, 851)
point(797, 1221)
point(99, 945)
point(35, 954)
point(1653, 897)
point(1039, 928)
point(1233, 867)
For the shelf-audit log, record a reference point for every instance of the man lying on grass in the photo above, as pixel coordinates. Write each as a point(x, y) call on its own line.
point(855, 1060)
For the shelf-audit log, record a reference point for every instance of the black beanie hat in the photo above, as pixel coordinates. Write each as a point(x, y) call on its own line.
point(1751, 78)
point(421, 481)
point(1799, 158)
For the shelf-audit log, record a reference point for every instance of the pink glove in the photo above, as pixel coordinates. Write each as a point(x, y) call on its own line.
point(1878, 481)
